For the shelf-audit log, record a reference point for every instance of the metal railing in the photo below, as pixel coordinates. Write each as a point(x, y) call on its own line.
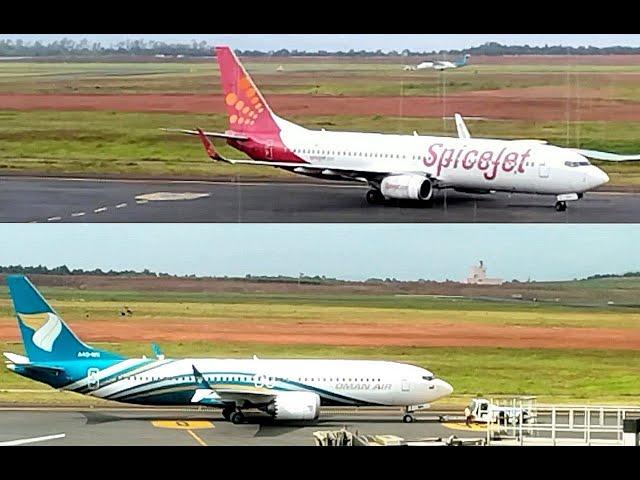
point(560, 424)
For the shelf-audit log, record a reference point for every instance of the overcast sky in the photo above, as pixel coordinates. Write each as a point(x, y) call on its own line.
point(335, 42)
point(352, 251)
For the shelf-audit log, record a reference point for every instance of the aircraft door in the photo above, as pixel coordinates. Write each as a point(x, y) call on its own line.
point(269, 150)
point(543, 170)
point(93, 382)
point(406, 386)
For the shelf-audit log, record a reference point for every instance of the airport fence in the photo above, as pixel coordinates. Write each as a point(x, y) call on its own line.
point(549, 424)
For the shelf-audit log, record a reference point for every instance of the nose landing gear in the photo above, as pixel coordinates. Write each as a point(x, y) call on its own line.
point(562, 199)
point(408, 415)
point(408, 418)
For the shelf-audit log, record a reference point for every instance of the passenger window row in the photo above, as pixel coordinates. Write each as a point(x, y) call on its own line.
point(243, 378)
point(356, 154)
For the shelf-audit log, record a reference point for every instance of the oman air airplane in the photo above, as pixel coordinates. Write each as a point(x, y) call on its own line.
point(440, 64)
point(398, 167)
point(284, 389)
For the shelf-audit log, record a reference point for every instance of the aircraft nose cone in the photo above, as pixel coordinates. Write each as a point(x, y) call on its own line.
point(597, 177)
point(444, 388)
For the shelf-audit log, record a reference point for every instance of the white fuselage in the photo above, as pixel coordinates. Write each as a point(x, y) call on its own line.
point(337, 382)
point(444, 65)
point(524, 166)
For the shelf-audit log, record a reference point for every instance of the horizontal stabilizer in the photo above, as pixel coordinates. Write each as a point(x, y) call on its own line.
point(15, 358)
point(232, 136)
point(22, 361)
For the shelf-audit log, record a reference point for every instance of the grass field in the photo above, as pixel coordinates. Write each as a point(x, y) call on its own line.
point(552, 375)
point(132, 143)
point(560, 304)
point(312, 77)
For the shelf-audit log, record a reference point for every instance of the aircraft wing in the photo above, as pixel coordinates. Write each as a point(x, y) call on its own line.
point(606, 156)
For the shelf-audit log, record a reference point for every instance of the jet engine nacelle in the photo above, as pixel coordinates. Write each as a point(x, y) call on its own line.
point(406, 187)
point(295, 406)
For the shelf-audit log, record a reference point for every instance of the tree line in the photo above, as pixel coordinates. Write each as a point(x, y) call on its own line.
point(302, 278)
point(613, 275)
point(64, 270)
point(71, 48)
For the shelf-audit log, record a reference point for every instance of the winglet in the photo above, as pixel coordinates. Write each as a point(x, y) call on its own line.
point(208, 146)
point(156, 351)
point(200, 380)
point(463, 132)
point(210, 149)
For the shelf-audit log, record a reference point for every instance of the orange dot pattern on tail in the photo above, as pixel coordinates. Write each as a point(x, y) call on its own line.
point(245, 102)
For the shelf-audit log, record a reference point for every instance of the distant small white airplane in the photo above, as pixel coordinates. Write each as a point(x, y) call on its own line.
point(439, 64)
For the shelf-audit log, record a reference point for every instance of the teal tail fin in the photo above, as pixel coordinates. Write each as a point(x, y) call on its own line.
point(46, 337)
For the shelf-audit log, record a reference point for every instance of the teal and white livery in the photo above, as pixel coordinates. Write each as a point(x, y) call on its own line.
point(284, 389)
point(440, 64)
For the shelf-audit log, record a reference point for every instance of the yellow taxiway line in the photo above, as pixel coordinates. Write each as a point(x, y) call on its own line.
point(198, 439)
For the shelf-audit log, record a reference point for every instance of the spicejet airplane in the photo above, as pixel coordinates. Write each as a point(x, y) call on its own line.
point(398, 166)
point(284, 389)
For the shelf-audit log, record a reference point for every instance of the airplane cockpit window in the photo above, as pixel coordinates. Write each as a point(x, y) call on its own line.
point(428, 378)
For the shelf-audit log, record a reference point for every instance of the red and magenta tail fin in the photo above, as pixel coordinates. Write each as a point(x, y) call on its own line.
point(247, 109)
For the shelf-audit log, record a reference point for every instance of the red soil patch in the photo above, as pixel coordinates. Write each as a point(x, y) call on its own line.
point(526, 104)
point(356, 334)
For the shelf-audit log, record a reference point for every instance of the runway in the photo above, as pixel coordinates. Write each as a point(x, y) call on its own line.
point(161, 427)
point(54, 200)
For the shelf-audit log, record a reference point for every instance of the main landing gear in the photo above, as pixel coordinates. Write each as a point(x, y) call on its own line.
point(232, 415)
point(375, 197)
point(237, 418)
point(561, 206)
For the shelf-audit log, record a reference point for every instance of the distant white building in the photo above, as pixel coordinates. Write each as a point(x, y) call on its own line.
point(478, 276)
